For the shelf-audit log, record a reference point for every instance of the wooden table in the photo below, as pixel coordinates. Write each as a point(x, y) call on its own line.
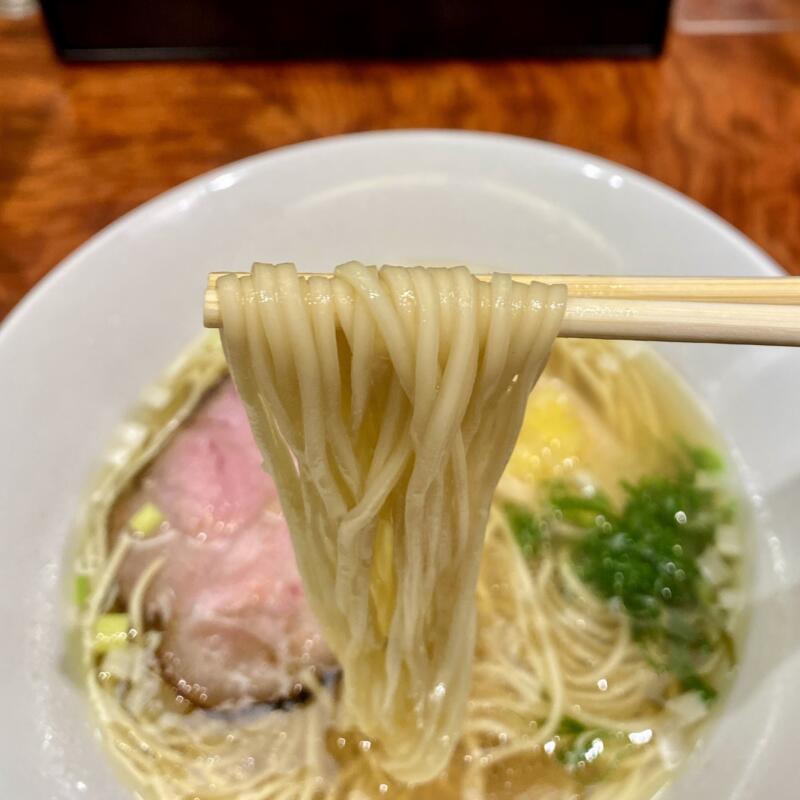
point(718, 117)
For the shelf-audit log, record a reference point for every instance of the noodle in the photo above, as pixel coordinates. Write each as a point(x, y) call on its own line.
point(548, 654)
point(388, 504)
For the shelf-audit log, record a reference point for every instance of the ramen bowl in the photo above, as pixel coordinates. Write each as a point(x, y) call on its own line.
point(76, 353)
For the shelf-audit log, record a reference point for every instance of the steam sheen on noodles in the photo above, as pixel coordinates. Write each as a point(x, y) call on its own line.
point(386, 404)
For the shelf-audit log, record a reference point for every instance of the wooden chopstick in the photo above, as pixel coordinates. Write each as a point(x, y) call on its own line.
point(780, 290)
point(691, 309)
point(681, 321)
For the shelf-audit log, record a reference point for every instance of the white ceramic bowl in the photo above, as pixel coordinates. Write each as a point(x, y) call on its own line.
point(76, 352)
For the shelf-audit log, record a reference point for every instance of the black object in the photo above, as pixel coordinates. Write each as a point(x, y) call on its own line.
point(114, 30)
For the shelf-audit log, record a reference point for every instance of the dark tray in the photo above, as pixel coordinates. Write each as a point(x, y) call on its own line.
point(112, 30)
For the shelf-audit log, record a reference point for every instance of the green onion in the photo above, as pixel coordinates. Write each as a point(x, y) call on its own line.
point(81, 590)
point(146, 520)
point(525, 527)
point(570, 726)
point(702, 458)
point(111, 630)
point(646, 555)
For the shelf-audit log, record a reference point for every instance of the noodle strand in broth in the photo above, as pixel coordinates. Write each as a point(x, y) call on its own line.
point(386, 403)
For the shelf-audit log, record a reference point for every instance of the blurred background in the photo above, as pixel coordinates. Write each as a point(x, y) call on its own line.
point(103, 104)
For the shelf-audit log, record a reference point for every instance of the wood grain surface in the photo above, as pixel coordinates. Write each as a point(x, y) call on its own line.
point(717, 117)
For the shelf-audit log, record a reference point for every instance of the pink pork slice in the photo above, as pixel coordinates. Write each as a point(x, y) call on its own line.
point(237, 626)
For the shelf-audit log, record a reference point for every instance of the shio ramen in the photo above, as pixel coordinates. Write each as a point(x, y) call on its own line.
point(422, 549)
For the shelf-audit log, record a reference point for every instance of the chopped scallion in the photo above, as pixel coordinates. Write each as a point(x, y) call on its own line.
point(111, 630)
point(146, 520)
point(82, 589)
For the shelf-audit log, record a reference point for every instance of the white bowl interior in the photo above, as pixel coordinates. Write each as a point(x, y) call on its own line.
point(76, 353)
